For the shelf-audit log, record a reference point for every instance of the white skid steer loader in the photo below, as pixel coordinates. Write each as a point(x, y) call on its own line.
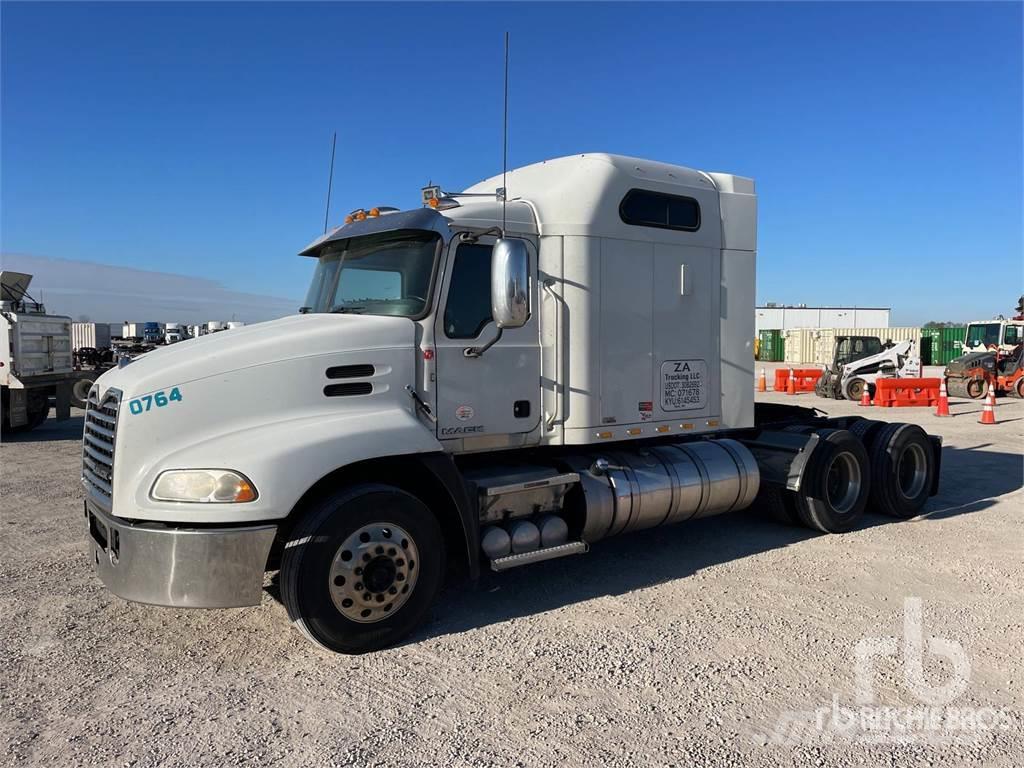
point(894, 361)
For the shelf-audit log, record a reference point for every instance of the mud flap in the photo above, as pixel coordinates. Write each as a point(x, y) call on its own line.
point(782, 456)
point(17, 407)
point(63, 401)
point(936, 442)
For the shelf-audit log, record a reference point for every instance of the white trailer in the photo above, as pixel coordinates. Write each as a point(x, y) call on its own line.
point(90, 336)
point(490, 381)
point(35, 357)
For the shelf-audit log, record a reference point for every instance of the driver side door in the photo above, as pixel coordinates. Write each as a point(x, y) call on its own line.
point(497, 393)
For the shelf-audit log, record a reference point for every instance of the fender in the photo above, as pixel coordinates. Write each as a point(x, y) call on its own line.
point(442, 467)
point(283, 460)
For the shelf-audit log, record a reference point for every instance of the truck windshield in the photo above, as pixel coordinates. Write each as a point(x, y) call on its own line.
point(983, 335)
point(386, 274)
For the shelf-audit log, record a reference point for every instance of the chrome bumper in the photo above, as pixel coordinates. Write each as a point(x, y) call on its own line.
point(179, 567)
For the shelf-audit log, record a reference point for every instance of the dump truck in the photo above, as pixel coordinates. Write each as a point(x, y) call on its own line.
point(509, 374)
point(35, 357)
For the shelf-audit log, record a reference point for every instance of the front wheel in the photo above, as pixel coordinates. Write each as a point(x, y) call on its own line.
point(80, 393)
point(362, 568)
point(855, 389)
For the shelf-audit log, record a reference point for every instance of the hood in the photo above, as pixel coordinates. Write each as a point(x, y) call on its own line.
point(293, 337)
point(970, 360)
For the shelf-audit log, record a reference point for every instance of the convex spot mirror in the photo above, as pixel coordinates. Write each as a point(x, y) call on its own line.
point(510, 280)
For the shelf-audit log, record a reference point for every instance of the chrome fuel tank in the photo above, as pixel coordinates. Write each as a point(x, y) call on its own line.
point(629, 490)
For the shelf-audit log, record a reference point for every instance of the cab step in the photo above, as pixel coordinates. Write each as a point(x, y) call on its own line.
point(539, 555)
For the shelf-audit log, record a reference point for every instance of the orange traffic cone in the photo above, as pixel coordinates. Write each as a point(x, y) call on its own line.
point(762, 382)
point(942, 407)
point(988, 411)
point(865, 396)
point(791, 383)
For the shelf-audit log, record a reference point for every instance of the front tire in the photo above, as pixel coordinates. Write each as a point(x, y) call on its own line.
point(80, 393)
point(855, 389)
point(362, 568)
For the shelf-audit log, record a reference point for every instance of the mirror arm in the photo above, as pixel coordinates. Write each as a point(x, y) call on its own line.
point(472, 237)
point(478, 351)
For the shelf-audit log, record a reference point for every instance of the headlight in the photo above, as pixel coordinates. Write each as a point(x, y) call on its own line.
point(216, 486)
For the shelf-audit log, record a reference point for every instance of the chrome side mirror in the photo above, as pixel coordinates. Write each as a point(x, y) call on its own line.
point(510, 283)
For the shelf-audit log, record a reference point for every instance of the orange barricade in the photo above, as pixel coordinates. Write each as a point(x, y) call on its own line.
point(906, 392)
point(805, 379)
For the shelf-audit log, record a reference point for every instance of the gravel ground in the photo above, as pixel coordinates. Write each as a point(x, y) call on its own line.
point(701, 644)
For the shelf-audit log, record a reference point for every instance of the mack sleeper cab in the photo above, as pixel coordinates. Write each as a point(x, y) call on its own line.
point(500, 377)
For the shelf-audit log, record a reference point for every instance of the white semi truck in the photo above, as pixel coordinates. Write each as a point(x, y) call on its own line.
point(495, 379)
point(992, 334)
point(36, 361)
point(173, 333)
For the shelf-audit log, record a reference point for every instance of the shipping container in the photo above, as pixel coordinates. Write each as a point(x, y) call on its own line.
point(815, 346)
point(771, 346)
point(827, 338)
point(800, 346)
point(786, 318)
point(95, 335)
point(941, 345)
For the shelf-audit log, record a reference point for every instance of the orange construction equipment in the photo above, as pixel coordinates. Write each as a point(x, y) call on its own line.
point(988, 411)
point(906, 392)
point(865, 395)
point(762, 382)
point(942, 409)
point(791, 383)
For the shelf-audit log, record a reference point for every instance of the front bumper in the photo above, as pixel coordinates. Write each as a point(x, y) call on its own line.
point(180, 567)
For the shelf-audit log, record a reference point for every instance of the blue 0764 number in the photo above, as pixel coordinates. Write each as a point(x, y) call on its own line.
point(160, 399)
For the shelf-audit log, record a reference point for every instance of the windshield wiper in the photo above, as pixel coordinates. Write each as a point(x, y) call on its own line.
point(345, 310)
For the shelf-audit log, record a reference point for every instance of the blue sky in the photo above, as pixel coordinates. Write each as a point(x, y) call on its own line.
point(885, 139)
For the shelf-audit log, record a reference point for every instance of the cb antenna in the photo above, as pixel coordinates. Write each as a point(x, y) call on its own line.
point(330, 180)
point(504, 147)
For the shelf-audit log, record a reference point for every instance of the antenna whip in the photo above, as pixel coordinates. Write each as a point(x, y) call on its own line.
point(504, 147)
point(330, 180)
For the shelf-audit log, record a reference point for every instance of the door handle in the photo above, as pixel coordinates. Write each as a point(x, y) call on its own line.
point(478, 351)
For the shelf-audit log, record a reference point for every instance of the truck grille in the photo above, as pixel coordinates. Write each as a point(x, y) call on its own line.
point(98, 445)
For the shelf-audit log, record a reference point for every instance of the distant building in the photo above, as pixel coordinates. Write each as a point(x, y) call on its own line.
point(773, 316)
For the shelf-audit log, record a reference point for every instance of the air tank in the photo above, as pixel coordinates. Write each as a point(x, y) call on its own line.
point(525, 536)
point(553, 531)
point(495, 542)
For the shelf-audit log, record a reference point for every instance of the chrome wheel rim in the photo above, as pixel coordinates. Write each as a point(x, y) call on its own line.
point(843, 482)
point(374, 572)
point(912, 471)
